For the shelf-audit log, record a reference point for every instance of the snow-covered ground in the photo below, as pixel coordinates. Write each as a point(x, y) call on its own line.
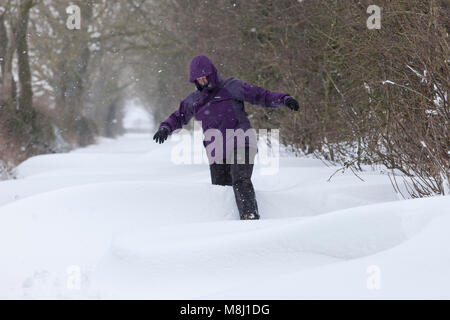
point(120, 220)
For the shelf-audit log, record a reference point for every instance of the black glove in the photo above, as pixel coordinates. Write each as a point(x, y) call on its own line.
point(291, 103)
point(161, 135)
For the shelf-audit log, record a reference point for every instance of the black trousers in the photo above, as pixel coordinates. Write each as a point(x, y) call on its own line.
point(238, 173)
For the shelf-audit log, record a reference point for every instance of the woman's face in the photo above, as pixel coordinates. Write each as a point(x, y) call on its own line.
point(202, 80)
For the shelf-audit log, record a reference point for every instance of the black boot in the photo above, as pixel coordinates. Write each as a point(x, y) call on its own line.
point(243, 189)
point(245, 196)
point(250, 217)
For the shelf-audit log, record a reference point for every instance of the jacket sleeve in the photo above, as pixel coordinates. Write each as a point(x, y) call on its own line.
point(179, 118)
point(244, 91)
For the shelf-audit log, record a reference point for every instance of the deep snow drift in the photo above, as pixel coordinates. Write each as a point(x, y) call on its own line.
point(120, 220)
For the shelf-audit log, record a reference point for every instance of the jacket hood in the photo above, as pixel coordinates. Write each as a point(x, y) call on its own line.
point(202, 66)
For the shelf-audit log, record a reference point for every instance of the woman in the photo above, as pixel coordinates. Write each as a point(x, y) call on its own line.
point(219, 105)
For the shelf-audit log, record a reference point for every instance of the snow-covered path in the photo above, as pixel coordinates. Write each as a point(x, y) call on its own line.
point(120, 220)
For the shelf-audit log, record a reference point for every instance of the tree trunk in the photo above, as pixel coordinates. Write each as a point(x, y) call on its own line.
point(25, 101)
point(3, 46)
point(7, 48)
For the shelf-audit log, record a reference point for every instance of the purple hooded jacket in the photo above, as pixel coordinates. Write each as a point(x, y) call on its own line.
point(220, 106)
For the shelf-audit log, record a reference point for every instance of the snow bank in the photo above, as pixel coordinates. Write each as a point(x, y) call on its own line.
point(119, 220)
